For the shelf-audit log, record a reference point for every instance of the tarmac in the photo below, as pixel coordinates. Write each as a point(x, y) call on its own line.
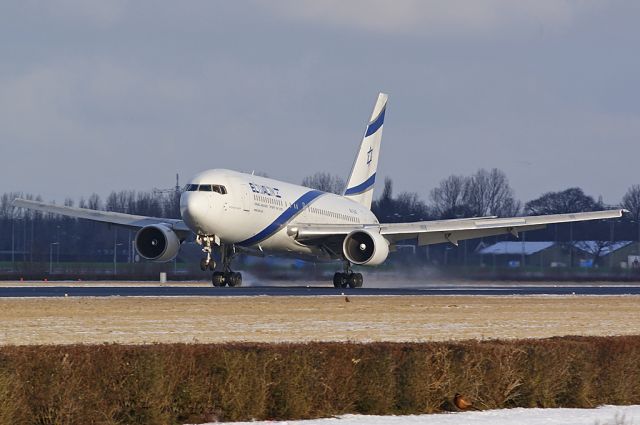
point(197, 290)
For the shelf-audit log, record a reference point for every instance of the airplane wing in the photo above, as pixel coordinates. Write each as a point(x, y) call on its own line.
point(120, 219)
point(432, 232)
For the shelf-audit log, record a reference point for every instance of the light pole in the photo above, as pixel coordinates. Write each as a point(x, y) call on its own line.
point(115, 251)
point(58, 247)
point(612, 229)
point(51, 256)
point(571, 245)
point(13, 243)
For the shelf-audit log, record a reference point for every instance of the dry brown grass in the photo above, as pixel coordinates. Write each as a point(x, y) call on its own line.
point(299, 319)
point(178, 383)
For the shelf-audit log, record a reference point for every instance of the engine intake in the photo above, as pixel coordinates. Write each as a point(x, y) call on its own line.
point(365, 247)
point(157, 242)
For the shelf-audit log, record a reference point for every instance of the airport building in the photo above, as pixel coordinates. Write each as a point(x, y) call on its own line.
point(549, 254)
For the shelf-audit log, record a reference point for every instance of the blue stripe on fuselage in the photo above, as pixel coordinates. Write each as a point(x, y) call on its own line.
point(284, 218)
point(376, 124)
point(361, 187)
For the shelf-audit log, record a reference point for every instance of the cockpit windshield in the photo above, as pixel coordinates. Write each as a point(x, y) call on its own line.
point(219, 188)
point(206, 188)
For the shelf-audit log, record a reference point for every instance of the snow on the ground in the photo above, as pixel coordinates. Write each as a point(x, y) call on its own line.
point(605, 415)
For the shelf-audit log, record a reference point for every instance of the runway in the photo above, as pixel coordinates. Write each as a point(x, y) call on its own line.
point(302, 291)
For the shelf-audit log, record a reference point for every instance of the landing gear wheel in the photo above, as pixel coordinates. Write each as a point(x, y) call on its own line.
point(218, 279)
point(212, 265)
point(355, 280)
point(234, 279)
point(338, 280)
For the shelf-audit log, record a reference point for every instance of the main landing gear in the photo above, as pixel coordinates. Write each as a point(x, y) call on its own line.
point(347, 278)
point(227, 252)
point(226, 276)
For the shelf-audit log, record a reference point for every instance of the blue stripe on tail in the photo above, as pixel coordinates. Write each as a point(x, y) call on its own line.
point(362, 187)
point(376, 124)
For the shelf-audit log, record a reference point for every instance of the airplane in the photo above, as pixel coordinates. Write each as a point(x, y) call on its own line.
point(244, 213)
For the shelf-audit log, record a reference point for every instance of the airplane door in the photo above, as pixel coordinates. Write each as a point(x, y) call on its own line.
point(246, 200)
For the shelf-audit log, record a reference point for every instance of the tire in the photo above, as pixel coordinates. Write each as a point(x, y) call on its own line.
point(203, 265)
point(212, 265)
point(218, 279)
point(235, 279)
point(355, 280)
point(338, 280)
point(359, 279)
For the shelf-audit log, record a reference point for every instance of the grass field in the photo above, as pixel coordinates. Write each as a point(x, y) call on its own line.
point(300, 319)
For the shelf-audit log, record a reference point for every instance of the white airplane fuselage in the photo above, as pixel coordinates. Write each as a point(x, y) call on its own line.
point(256, 212)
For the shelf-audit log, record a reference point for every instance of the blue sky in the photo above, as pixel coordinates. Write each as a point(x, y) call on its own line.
point(97, 96)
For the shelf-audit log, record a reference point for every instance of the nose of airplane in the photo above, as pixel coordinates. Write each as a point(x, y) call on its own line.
point(193, 208)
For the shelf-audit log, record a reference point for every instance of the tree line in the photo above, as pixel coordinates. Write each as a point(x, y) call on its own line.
point(27, 235)
point(484, 193)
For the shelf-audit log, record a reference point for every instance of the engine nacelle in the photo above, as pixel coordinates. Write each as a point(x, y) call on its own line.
point(365, 247)
point(157, 242)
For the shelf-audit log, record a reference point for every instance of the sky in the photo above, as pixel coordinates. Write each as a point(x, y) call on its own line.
point(98, 96)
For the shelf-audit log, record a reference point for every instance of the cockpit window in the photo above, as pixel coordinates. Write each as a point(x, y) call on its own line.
point(218, 188)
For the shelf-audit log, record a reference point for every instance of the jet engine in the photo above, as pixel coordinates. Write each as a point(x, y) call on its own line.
point(157, 242)
point(365, 247)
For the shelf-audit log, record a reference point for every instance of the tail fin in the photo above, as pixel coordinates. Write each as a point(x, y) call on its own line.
point(363, 173)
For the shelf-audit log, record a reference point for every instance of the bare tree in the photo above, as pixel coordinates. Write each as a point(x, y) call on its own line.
point(567, 201)
point(631, 201)
point(7, 210)
point(489, 193)
point(596, 249)
point(94, 202)
point(447, 197)
point(385, 202)
point(324, 182)
point(407, 206)
point(121, 201)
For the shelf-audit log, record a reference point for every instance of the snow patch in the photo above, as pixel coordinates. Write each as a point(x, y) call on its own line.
point(604, 415)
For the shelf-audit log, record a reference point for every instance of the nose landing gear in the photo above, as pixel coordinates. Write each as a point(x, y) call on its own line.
point(227, 251)
point(207, 262)
point(347, 278)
